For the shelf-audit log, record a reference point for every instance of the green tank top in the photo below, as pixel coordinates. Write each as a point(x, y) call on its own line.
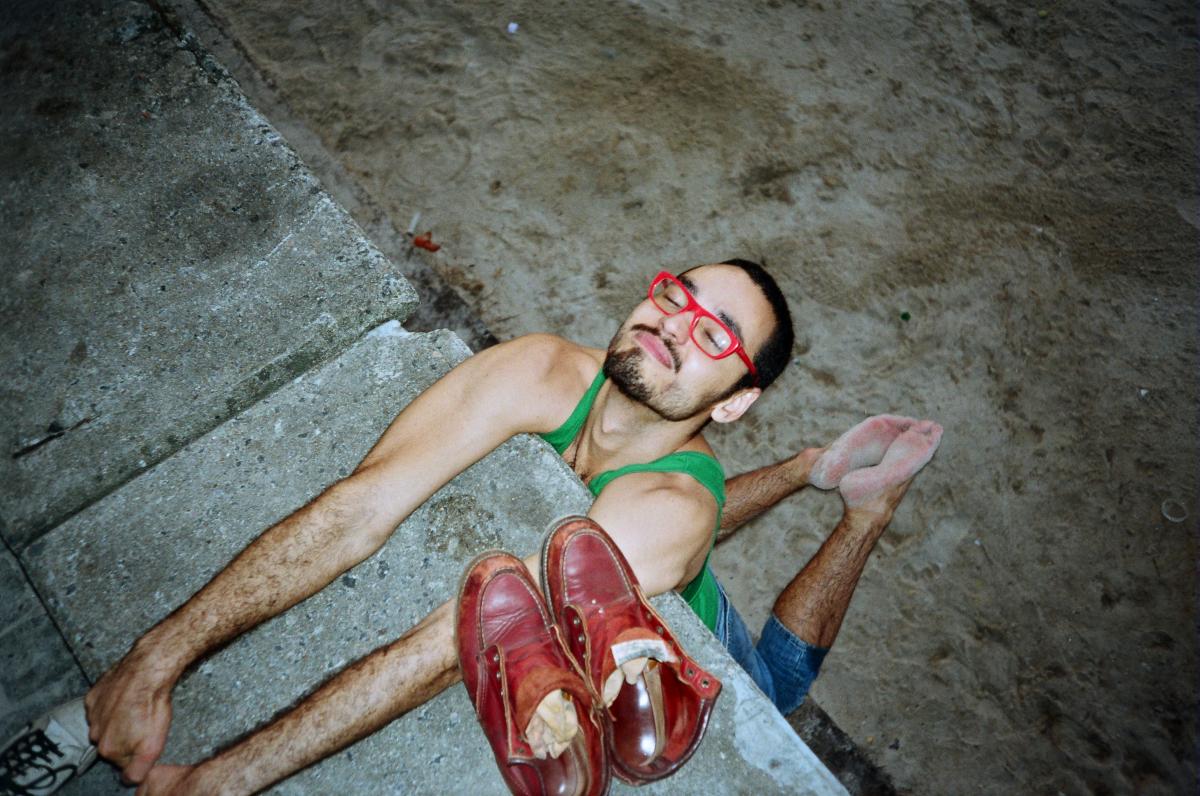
point(701, 593)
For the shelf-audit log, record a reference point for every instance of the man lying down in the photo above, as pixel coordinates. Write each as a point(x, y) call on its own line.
point(699, 348)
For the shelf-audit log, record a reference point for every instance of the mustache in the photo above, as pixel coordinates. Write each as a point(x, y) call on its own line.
point(641, 327)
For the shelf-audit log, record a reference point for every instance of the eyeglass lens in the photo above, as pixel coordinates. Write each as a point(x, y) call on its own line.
point(712, 338)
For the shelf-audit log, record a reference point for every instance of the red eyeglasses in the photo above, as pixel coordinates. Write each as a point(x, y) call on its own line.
point(708, 332)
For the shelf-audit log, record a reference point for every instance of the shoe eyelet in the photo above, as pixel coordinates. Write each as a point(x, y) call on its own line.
point(576, 621)
point(690, 672)
point(579, 638)
point(495, 657)
point(660, 631)
point(704, 682)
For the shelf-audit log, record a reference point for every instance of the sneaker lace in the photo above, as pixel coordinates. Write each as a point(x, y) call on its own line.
point(31, 759)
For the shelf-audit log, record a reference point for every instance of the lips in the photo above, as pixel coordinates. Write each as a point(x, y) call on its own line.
point(656, 348)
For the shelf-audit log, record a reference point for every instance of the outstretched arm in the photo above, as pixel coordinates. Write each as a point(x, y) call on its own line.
point(454, 423)
point(750, 494)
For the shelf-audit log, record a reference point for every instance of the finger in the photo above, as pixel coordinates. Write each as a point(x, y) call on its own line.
point(143, 760)
point(114, 750)
point(148, 787)
point(91, 711)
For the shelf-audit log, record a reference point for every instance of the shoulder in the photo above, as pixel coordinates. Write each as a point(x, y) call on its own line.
point(550, 356)
point(698, 444)
point(663, 523)
point(544, 373)
point(678, 494)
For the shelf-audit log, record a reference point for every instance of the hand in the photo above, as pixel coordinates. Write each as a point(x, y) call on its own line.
point(129, 712)
point(170, 781)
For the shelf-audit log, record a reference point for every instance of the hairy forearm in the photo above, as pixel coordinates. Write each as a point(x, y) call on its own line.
point(750, 494)
point(287, 563)
point(355, 703)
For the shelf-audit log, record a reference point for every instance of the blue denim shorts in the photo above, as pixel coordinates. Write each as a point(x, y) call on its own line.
point(781, 664)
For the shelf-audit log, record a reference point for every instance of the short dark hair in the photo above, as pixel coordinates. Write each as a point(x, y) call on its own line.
point(776, 352)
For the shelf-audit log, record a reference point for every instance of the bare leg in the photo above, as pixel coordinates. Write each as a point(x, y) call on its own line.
point(814, 604)
point(354, 703)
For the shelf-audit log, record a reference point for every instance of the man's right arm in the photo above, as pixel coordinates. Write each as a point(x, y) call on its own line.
point(454, 423)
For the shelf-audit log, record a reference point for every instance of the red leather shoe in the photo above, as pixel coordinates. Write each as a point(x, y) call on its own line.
point(511, 657)
point(656, 723)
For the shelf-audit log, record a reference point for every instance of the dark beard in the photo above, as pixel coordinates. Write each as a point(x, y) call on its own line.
point(624, 369)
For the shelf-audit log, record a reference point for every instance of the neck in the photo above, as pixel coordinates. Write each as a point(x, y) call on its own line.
point(620, 431)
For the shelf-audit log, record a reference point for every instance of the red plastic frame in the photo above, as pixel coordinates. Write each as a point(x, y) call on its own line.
point(699, 312)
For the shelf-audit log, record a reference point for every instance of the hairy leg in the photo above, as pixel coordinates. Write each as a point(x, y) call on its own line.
point(356, 702)
point(814, 604)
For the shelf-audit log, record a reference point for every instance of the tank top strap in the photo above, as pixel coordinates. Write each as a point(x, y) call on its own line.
point(562, 436)
point(704, 468)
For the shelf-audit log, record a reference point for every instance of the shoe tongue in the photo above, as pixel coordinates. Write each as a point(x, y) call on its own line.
point(636, 649)
point(636, 642)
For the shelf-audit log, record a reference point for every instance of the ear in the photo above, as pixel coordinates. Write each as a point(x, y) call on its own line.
point(735, 405)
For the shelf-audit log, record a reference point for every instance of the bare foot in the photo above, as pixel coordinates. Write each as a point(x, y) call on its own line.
point(553, 725)
point(880, 487)
point(862, 446)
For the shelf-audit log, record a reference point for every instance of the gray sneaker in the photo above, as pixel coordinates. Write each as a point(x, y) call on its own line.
point(44, 755)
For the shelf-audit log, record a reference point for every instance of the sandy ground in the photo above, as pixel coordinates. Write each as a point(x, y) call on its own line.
point(984, 213)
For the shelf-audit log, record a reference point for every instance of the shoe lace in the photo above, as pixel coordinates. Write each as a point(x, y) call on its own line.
point(31, 758)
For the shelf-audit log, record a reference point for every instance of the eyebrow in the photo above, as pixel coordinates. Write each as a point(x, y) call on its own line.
point(725, 319)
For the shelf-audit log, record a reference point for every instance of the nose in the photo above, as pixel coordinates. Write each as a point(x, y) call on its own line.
point(677, 327)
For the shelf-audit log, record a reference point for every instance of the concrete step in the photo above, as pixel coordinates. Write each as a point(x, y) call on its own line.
point(120, 565)
point(37, 669)
point(167, 259)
